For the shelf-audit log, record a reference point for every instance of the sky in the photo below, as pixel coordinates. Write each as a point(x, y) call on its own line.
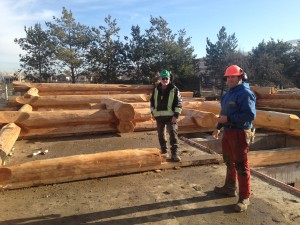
point(251, 21)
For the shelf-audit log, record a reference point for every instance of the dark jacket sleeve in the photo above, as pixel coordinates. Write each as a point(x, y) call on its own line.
point(177, 103)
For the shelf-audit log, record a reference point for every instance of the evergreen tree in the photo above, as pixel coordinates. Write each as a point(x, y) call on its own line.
point(72, 40)
point(106, 57)
point(37, 62)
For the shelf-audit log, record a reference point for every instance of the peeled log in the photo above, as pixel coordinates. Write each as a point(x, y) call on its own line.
point(80, 167)
point(26, 108)
point(125, 126)
point(210, 106)
point(73, 99)
point(261, 91)
point(8, 136)
point(279, 103)
point(142, 114)
point(202, 118)
point(94, 92)
point(31, 92)
point(123, 111)
point(65, 107)
point(50, 118)
point(49, 87)
point(187, 94)
point(270, 119)
point(183, 121)
point(267, 119)
point(67, 130)
point(140, 105)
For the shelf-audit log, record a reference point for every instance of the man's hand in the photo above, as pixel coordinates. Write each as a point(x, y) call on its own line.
point(174, 119)
point(222, 119)
point(216, 133)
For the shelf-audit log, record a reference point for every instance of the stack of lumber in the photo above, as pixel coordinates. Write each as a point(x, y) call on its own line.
point(269, 98)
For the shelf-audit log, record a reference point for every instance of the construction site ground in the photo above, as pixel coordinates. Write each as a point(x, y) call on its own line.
point(174, 196)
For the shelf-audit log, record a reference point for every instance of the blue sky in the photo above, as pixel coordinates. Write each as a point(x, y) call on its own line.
point(251, 21)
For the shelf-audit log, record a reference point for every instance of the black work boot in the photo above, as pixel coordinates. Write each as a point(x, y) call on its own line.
point(175, 157)
point(164, 153)
point(225, 190)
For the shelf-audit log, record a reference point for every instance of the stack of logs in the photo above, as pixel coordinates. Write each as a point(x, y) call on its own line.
point(60, 109)
point(269, 98)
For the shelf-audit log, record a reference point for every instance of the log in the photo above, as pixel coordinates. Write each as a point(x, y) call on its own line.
point(270, 119)
point(261, 91)
point(66, 107)
point(183, 121)
point(202, 119)
point(266, 119)
point(49, 87)
point(50, 118)
point(148, 92)
point(274, 157)
point(80, 167)
point(140, 105)
point(8, 136)
point(26, 108)
point(280, 96)
point(123, 111)
point(142, 114)
point(187, 94)
point(125, 126)
point(73, 99)
point(10, 108)
point(279, 103)
point(67, 130)
point(31, 92)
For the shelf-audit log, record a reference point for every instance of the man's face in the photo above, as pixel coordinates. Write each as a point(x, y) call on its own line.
point(232, 81)
point(165, 81)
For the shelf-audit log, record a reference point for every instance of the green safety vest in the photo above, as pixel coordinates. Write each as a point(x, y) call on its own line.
point(169, 111)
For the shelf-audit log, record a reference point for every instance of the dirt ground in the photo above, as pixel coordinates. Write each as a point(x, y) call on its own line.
point(175, 196)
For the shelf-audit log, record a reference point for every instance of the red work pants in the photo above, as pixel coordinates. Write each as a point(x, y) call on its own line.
point(235, 154)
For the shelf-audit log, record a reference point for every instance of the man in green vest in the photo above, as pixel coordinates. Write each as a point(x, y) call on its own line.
point(166, 106)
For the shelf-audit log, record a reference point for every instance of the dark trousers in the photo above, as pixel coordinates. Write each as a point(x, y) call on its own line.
point(162, 124)
point(235, 149)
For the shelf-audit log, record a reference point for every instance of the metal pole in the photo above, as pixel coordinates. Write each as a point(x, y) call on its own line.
point(6, 93)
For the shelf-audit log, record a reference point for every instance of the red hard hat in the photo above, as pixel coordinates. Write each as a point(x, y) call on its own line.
point(233, 70)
